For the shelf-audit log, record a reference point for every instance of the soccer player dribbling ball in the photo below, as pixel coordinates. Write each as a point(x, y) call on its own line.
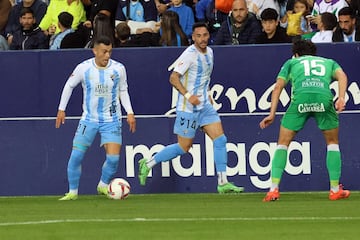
point(310, 77)
point(104, 83)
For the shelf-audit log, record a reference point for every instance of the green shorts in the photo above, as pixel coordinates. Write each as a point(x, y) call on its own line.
point(304, 106)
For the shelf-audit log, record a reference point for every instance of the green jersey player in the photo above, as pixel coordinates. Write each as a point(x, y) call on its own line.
point(310, 77)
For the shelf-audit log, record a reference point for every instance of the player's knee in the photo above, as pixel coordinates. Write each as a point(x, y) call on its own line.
point(220, 141)
point(80, 147)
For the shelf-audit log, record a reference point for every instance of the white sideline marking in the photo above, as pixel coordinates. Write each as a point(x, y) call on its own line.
point(180, 220)
point(154, 116)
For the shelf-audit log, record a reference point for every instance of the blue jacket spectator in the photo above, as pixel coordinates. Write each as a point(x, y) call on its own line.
point(186, 16)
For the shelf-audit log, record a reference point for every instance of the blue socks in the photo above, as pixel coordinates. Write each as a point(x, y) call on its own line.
point(109, 168)
point(220, 154)
point(168, 153)
point(74, 168)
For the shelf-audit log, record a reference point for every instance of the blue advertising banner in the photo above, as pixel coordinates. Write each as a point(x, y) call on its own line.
point(33, 154)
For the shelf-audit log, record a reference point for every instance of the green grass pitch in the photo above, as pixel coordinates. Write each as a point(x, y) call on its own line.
point(296, 215)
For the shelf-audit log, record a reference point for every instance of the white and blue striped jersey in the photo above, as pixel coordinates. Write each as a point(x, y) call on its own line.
point(195, 69)
point(101, 90)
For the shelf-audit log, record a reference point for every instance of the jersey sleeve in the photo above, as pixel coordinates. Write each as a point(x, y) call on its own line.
point(184, 62)
point(335, 67)
point(285, 71)
point(71, 83)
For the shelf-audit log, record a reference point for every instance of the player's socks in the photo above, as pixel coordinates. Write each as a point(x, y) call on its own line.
point(333, 164)
point(74, 168)
point(278, 163)
point(222, 178)
point(168, 153)
point(109, 168)
point(220, 154)
point(150, 163)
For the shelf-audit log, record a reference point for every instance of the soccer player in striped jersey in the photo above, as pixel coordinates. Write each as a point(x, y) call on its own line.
point(310, 77)
point(104, 84)
point(191, 78)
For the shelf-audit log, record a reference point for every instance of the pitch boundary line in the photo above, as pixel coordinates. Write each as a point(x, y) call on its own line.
point(243, 219)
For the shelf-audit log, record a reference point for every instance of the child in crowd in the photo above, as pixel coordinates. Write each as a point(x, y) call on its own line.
point(295, 21)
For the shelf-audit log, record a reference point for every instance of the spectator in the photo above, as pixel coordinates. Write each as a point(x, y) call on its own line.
point(30, 35)
point(149, 13)
point(241, 27)
point(13, 24)
point(332, 6)
point(135, 12)
point(50, 20)
point(102, 26)
point(347, 30)
point(65, 22)
point(206, 12)
point(294, 21)
point(93, 7)
point(77, 39)
point(5, 8)
point(326, 28)
point(171, 31)
point(272, 32)
point(186, 16)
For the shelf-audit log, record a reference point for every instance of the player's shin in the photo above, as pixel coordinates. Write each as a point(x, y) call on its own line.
point(74, 169)
point(278, 165)
point(109, 168)
point(220, 158)
point(333, 164)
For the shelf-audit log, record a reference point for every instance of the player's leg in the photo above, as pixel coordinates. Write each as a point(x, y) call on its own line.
point(212, 126)
point(328, 122)
point(278, 163)
point(111, 140)
point(185, 127)
point(84, 136)
point(333, 164)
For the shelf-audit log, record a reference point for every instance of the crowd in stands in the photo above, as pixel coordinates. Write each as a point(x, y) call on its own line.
point(60, 24)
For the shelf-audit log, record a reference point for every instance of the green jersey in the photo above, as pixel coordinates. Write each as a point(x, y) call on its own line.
point(309, 74)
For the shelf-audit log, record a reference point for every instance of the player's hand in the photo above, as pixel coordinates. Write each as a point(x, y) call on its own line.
point(132, 122)
point(60, 118)
point(340, 104)
point(267, 121)
point(194, 100)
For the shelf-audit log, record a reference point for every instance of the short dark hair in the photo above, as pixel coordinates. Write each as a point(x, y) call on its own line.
point(347, 11)
point(26, 10)
point(65, 19)
point(303, 47)
point(269, 14)
point(122, 31)
point(329, 20)
point(102, 40)
point(200, 24)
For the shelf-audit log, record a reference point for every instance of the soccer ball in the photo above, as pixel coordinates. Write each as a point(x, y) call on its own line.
point(118, 189)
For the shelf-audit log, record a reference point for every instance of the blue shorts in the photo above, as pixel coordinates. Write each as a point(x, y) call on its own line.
point(187, 123)
point(109, 132)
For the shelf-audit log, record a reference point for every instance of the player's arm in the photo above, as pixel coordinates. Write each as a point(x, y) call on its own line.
point(126, 103)
point(341, 77)
point(70, 84)
point(176, 83)
point(275, 96)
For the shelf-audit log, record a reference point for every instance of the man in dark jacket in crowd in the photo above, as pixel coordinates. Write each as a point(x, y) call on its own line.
point(30, 35)
point(241, 27)
point(347, 29)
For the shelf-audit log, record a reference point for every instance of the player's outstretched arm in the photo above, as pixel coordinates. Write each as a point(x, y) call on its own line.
point(268, 120)
point(60, 118)
point(342, 84)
